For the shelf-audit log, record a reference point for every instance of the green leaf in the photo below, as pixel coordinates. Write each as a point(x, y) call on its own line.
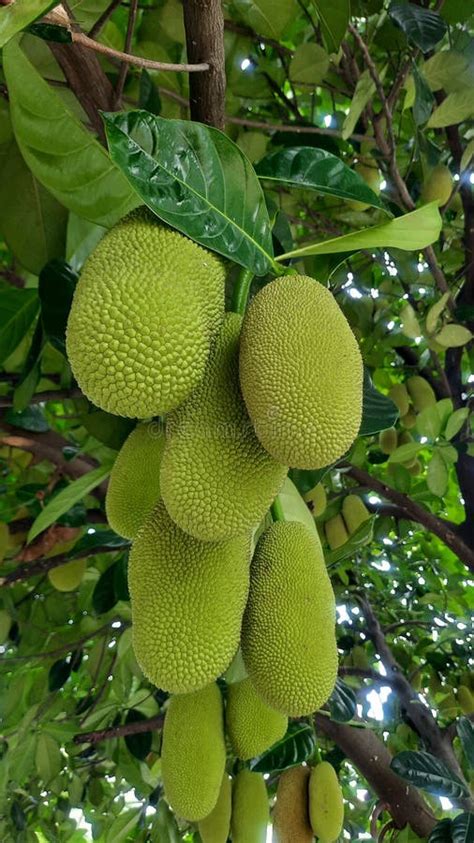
point(462, 828)
point(148, 96)
point(455, 422)
point(56, 285)
point(423, 103)
point(139, 745)
point(107, 428)
point(441, 832)
point(48, 758)
point(59, 151)
point(104, 597)
point(342, 702)
point(122, 826)
point(437, 475)
point(30, 419)
point(465, 730)
point(410, 325)
point(18, 15)
point(405, 453)
point(421, 26)
point(365, 89)
point(456, 108)
point(99, 538)
point(164, 828)
point(294, 507)
point(435, 312)
point(334, 18)
point(18, 309)
point(197, 180)
point(58, 674)
point(378, 411)
point(297, 746)
point(410, 232)
point(423, 770)
point(428, 422)
point(309, 64)
point(31, 371)
point(362, 536)
point(267, 17)
point(316, 169)
point(447, 69)
point(66, 498)
point(453, 336)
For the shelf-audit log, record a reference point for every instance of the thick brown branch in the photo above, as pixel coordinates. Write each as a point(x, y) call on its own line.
point(137, 728)
point(204, 26)
point(46, 446)
point(138, 61)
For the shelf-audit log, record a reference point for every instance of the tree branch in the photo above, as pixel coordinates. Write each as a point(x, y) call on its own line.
point(46, 446)
point(122, 76)
point(204, 26)
point(137, 728)
point(41, 566)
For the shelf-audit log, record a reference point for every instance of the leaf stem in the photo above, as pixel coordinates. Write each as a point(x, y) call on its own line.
point(241, 291)
point(276, 510)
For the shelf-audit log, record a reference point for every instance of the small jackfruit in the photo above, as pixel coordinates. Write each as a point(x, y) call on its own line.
point(216, 826)
point(187, 599)
point(354, 512)
point(301, 373)
point(251, 724)
point(288, 632)
point(404, 438)
point(318, 498)
point(409, 420)
point(335, 531)
point(291, 812)
point(399, 395)
point(144, 308)
point(193, 752)
point(438, 185)
point(69, 576)
point(465, 699)
point(388, 440)
point(326, 805)
point(134, 484)
point(421, 393)
point(250, 811)
point(216, 479)
point(371, 175)
point(415, 467)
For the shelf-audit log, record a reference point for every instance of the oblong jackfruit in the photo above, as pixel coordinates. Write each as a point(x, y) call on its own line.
point(388, 440)
point(291, 811)
point(187, 600)
point(326, 805)
point(438, 185)
point(421, 393)
point(251, 724)
point(139, 328)
point(193, 752)
point(134, 484)
point(250, 811)
point(301, 373)
point(216, 826)
point(409, 419)
point(216, 479)
point(354, 512)
point(69, 576)
point(399, 395)
point(288, 633)
point(335, 531)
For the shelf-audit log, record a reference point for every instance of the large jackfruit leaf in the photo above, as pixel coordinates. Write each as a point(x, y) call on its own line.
point(294, 748)
point(60, 152)
point(197, 180)
point(429, 773)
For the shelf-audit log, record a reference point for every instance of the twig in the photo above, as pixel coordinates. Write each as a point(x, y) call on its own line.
point(65, 648)
point(122, 76)
point(137, 728)
point(137, 61)
point(40, 566)
point(365, 673)
point(102, 20)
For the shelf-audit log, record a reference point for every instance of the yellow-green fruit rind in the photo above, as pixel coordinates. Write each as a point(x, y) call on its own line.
point(251, 724)
point(388, 440)
point(216, 826)
point(438, 185)
point(301, 373)
point(187, 603)
point(288, 632)
point(193, 752)
point(69, 576)
point(134, 484)
point(291, 811)
point(139, 328)
point(354, 512)
point(399, 395)
point(326, 805)
point(216, 479)
point(421, 393)
point(318, 498)
point(335, 531)
point(465, 699)
point(250, 811)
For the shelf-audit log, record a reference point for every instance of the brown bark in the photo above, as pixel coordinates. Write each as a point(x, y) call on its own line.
point(204, 25)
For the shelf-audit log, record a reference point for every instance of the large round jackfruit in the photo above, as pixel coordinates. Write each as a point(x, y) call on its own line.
point(134, 485)
point(144, 308)
point(354, 512)
point(291, 811)
point(399, 395)
point(288, 632)
point(438, 185)
point(216, 479)
point(216, 826)
point(193, 752)
point(421, 393)
point(188, 598)
point(335, 531)
point(250, 811)
point(326, 805)
point(301, 373)
point(251, 724)
point(69, 576)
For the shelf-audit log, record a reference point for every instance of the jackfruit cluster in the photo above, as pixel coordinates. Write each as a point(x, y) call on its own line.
point(341, 526)
point(308, 802)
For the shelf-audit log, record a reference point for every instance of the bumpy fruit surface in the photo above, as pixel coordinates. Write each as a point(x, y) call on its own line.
point(250, 812)
point(388, 440)
point(326, 805)
point(187, 603)
point(216, 826)
point(421, 393)
point(354, 512)
point(144, 308)
point(288, 633)
point(291, 811)
point(399, 395)
point(438, 185)
point(216, 479)
point(251, 724)
point(301, 373)
point(335, 530)
point(68, 577)
point(134, 484)
point(193, 752)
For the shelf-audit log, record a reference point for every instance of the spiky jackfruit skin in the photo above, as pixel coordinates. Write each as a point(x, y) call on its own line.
point(69, 576)
point(326, 805)
point(301, 373)
point(139, 328)
point(335, 531)
point(193, 752)
point(388, 440)
point(399, 395)
point(421, 393)
point(288, 633)
point(291, 811)
point(251, 724)
point(354, 512)
point(216, 479)
point(134, 484)
point(438, 185)
point(250, 811)
point(216, 826)
point(187, 601)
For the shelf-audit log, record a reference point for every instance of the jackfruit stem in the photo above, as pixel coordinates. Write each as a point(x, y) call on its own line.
point(241, 291)
point(276, 510)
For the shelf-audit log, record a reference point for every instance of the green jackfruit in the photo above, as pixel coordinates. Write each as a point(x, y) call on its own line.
point(216, 479)
point(399, 395)
point(354, 512)
point(288, 632)
point(415, 467)
point(187, 603)
point(144, 308)
point(371, 175)
point(193, 752)
point(409, 420)
point(335, 531)
point(301, 373)
point(318, 498)
point(465, 699)
point(421, 393)
point(134, 485)
point(388, 440)
point(216, 826)
point(251, 724)
point(326, 805)
point(438, 185)
point(69, 576)
point(404, 438)
point(291, 811)
point(250, 811)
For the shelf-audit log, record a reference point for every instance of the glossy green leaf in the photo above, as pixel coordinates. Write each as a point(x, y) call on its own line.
point(309, 64)
point(122, 826)
point(342, 702)
point(316, 169)
point(441, 832)
point(405, 453)
point(455, 422)
point(56, 285)
point(456, 108)
point(197, 180)
point(18, 309)
point(18, 15)
point(428, 422)
point(32, 418)
point(59, 673)
point(422, 27)
point(437, 475)
point(462, 828)
point(465, 730)
point(297, 746)
point(104, 597)
point(140, 744)
point(48, 758)
point(98, 539)
point(107, 428)
point(378, 411)
point(334, 18)
point(267, 17)
point(423, 770)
